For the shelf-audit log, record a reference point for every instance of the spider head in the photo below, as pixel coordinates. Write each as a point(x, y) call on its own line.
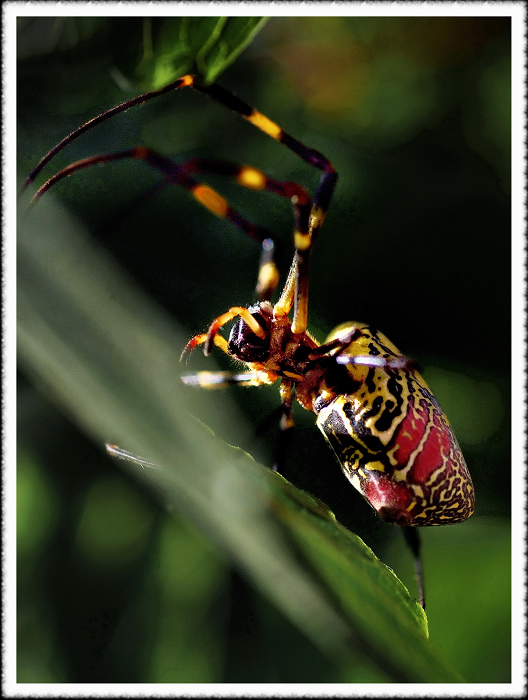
point(244, 344)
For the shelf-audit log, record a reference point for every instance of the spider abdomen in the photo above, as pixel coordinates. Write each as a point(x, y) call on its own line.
point(394, 442)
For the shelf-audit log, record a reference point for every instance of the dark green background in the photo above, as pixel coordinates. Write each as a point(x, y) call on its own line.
point(414, 115)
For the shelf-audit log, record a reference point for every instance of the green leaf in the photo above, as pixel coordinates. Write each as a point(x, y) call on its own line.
point(236, 35)
point(109, 357)
point(174, 46)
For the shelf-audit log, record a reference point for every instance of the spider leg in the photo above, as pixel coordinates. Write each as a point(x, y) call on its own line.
point(221, 380)
point(116, 451)
point(296, 290)
point(207, 339)
point(412, 538)
point(183, 175)
point(201, 339)
point(285, 423)
point(215, 92)
point(337, 345)
point(185, 81)
point(400, 362)
point(252, 178)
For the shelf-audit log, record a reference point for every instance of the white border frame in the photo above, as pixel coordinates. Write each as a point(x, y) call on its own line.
point(516, 10)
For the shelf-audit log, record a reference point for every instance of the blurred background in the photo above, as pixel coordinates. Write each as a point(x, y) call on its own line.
point(414, 113)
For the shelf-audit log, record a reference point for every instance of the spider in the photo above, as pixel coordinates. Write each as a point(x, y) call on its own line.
point(384, 425)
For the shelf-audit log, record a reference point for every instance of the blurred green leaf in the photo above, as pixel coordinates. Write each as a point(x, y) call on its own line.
point(109, 357)
point(39, 36)
point(113, 525)
point(475, 408)
point(483, 548)
point(36, 501)
point(174, 46)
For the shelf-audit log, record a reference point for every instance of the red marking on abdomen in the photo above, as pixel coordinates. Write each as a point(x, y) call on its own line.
point(433, 453)
point(410, 433)
point(388, 498)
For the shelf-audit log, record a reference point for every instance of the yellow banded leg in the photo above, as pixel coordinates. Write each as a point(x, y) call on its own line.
point(311, 156)
point(252, 178)
point(176, 174)
point(400, 362)
point(321, 200)
point(221, 380)
point(285, 302)
point(201, 339)
point(212, 333)
point(221, 95)
point(337, 345)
